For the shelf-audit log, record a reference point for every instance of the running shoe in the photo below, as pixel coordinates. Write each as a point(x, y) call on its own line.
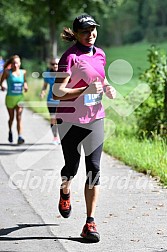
point(56, 141)
point(10, 138)
point(20, 140)
point(90, 233)
point(64, 206)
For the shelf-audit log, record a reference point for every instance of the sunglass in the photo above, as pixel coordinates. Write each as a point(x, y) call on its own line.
point(52, 64)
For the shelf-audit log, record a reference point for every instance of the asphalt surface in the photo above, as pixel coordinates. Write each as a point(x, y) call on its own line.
point(131, 214)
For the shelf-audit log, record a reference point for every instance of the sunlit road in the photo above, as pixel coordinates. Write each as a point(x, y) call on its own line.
point(131, 213)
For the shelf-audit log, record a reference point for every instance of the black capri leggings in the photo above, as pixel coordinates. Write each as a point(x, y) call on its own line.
point(52, 109)
point(90, 136)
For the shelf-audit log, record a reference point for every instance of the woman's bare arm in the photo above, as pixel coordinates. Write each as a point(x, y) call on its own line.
point(61, 92)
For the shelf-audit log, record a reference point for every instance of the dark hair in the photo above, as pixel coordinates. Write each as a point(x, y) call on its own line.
point(10, 61)
point(68, 34)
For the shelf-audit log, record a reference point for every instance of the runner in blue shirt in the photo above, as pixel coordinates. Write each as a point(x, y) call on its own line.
point(49, 79)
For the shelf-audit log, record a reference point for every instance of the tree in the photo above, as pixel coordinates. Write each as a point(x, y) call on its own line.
point(36, 22)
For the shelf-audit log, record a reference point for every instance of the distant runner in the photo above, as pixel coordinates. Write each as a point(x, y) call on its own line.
point(16, 84)
point(52, 104)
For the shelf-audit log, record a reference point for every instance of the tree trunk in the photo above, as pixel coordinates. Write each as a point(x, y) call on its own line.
point(53, 40)
point(52, 29)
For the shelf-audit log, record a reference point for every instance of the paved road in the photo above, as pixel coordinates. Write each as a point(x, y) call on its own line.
point(131, 213)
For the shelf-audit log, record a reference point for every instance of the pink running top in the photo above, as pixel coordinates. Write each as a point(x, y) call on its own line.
point(83, 70)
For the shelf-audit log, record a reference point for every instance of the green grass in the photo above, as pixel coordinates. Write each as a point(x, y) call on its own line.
point(122, 142)
point(145, 156)
point(136, 55)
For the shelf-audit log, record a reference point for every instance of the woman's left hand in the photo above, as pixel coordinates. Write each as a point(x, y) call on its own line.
point(110, 92)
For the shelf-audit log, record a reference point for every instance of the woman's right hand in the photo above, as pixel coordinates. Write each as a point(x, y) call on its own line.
point(95, 87)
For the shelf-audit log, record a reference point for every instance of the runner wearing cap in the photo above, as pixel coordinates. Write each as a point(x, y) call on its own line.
point(79, 87)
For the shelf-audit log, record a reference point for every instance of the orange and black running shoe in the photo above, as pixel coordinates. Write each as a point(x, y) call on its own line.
point(90, 233)
point(64, 206)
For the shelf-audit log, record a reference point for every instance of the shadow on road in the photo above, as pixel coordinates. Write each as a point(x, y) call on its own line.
point(10, 149)
point(25, 144)
point(6, 231)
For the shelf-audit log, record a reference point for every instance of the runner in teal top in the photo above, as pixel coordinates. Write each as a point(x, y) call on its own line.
point(16, 84)
point(49, 79)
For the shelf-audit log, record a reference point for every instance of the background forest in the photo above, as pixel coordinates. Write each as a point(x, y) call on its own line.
point(32, 27)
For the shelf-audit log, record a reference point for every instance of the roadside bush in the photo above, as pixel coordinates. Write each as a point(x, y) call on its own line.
point(152, 114)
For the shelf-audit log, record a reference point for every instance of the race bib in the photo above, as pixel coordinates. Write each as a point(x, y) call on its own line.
point(92, 99)
point(17, 88)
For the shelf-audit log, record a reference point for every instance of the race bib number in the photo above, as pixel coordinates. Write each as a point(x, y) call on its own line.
point(92, 99)
point(17, 88)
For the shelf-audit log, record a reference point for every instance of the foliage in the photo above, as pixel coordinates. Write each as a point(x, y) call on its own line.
point(152, 114)
point(34, 66)
point(34, 26)
point(14, 21)
point(134, 21)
